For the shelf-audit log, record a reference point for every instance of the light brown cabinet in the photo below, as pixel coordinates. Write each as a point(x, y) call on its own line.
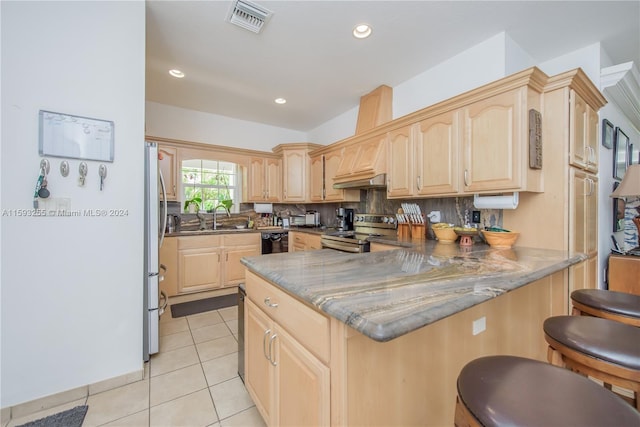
point(564, 217)
point(301, 241)
point(264, 180)
point(583, 140)
point(169, 266)
point(286, 357)
point(212, 261)
point(624, 274)
point(323, 168)
point(423, 158)
point(294, 172)
point(168, 165)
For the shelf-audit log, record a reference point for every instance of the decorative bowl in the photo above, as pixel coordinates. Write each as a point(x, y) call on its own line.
point(241, 227)
point(445, 234)
point(500, 239)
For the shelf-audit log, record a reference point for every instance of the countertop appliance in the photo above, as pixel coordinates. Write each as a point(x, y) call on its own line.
point(274, 242)
point(312, 219)
point(356, 241)
point(155, 224)
point(344, 219)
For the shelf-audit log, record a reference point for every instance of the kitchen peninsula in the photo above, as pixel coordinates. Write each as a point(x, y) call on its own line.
point(379, 338)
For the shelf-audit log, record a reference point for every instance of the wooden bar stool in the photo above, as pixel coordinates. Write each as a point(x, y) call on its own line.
point(618, 306)
point(514, 391)
point(600, 348)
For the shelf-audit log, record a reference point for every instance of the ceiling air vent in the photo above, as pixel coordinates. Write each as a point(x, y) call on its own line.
point(248, 15)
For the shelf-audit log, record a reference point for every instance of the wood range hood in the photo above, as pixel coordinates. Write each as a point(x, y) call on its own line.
point(375, 110)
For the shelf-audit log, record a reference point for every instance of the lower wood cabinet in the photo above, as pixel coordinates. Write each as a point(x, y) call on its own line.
point(289, 383)
point(202, 263)
point(301, 241)
point(379, 247)
point(624, 274)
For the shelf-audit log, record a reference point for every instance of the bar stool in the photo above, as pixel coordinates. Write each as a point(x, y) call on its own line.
point(514, 391)
point(600, 348)
point(619, 306)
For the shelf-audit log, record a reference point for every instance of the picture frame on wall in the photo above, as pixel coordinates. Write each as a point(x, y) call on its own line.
point(607, 133)
point(620, 154)
point(634, 154)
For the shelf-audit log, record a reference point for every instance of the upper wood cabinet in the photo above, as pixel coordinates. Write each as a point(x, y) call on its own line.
point(264, 180)
point(294, 175)
point(323, 168)
point(423, 158)
point(583, 134)
point(168, 164)
point(495, 142)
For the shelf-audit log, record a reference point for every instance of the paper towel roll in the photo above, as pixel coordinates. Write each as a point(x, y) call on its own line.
point(495, 202)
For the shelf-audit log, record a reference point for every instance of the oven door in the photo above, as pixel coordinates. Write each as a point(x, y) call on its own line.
point(344, 244)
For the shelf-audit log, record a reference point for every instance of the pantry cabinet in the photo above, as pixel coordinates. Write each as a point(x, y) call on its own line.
point(583, 140)
point(213, 261)
point(168, 165)
point(286, 360)
point(264, 180)
point(583, 229)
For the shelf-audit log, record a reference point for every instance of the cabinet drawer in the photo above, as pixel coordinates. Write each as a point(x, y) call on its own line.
point(197, 242)
point(306, 325)
point(241, 239)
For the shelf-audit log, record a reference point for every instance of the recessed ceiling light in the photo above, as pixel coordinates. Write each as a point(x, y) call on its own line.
point(176, 73)
point(280, 101)
point(362, 31)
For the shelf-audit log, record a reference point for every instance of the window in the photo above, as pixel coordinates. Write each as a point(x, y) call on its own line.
point(212, 181)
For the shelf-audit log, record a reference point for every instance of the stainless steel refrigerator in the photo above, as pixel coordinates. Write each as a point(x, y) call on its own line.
point(155, 208)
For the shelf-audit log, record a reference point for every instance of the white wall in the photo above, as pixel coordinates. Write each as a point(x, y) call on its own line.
point(178, 123)
point(71, 286)
point(587, 58)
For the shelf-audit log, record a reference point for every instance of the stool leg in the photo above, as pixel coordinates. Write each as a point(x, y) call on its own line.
point(554, 357)
point(576, 312)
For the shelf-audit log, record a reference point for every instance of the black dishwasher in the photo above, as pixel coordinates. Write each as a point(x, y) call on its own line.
point(242, 294)
point(274, 242)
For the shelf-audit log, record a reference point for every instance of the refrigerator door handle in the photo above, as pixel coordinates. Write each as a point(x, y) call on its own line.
point(163, 297)
point(164, 210)
point(164, 270)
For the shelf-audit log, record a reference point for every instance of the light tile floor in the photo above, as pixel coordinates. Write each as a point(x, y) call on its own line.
point(193, 381)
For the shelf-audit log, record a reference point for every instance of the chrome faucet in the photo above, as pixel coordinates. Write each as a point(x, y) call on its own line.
point(215, 211)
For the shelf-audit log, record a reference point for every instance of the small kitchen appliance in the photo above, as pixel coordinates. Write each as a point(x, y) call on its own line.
point(344, 219)
point(312, 219)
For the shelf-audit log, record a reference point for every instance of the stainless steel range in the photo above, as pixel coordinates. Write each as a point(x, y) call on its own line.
point(365, 226)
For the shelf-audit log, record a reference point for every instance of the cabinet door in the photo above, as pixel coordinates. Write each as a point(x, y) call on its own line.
point(316, 179)
point(297, 241)
point(313, 242)
point(583, 134)
point(259, 373)
point(256, 185)
point(294, 176)
point(168, 164)
point(303, 385)
point(492, 146)
point(583, 230)
point(273, 180)
point(169, 259)
point(234, 270)
point(401, 181)
point(437, 142)
point(199, 269)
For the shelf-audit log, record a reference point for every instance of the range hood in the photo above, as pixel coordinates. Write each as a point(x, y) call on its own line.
point(378, 181)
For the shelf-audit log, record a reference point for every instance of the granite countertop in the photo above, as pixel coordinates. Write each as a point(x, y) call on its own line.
point(387, 294)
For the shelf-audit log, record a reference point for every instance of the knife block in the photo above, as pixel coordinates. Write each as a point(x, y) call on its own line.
point(418, 232)
point(404, 231)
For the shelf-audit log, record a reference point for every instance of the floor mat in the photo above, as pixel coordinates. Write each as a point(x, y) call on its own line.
point(202, 305)
point(69, 418)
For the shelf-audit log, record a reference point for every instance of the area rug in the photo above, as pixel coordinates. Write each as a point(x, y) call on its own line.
point(202, 305)
point(69, 418)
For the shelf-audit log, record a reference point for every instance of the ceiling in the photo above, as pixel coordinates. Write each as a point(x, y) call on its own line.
point(306, 52)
